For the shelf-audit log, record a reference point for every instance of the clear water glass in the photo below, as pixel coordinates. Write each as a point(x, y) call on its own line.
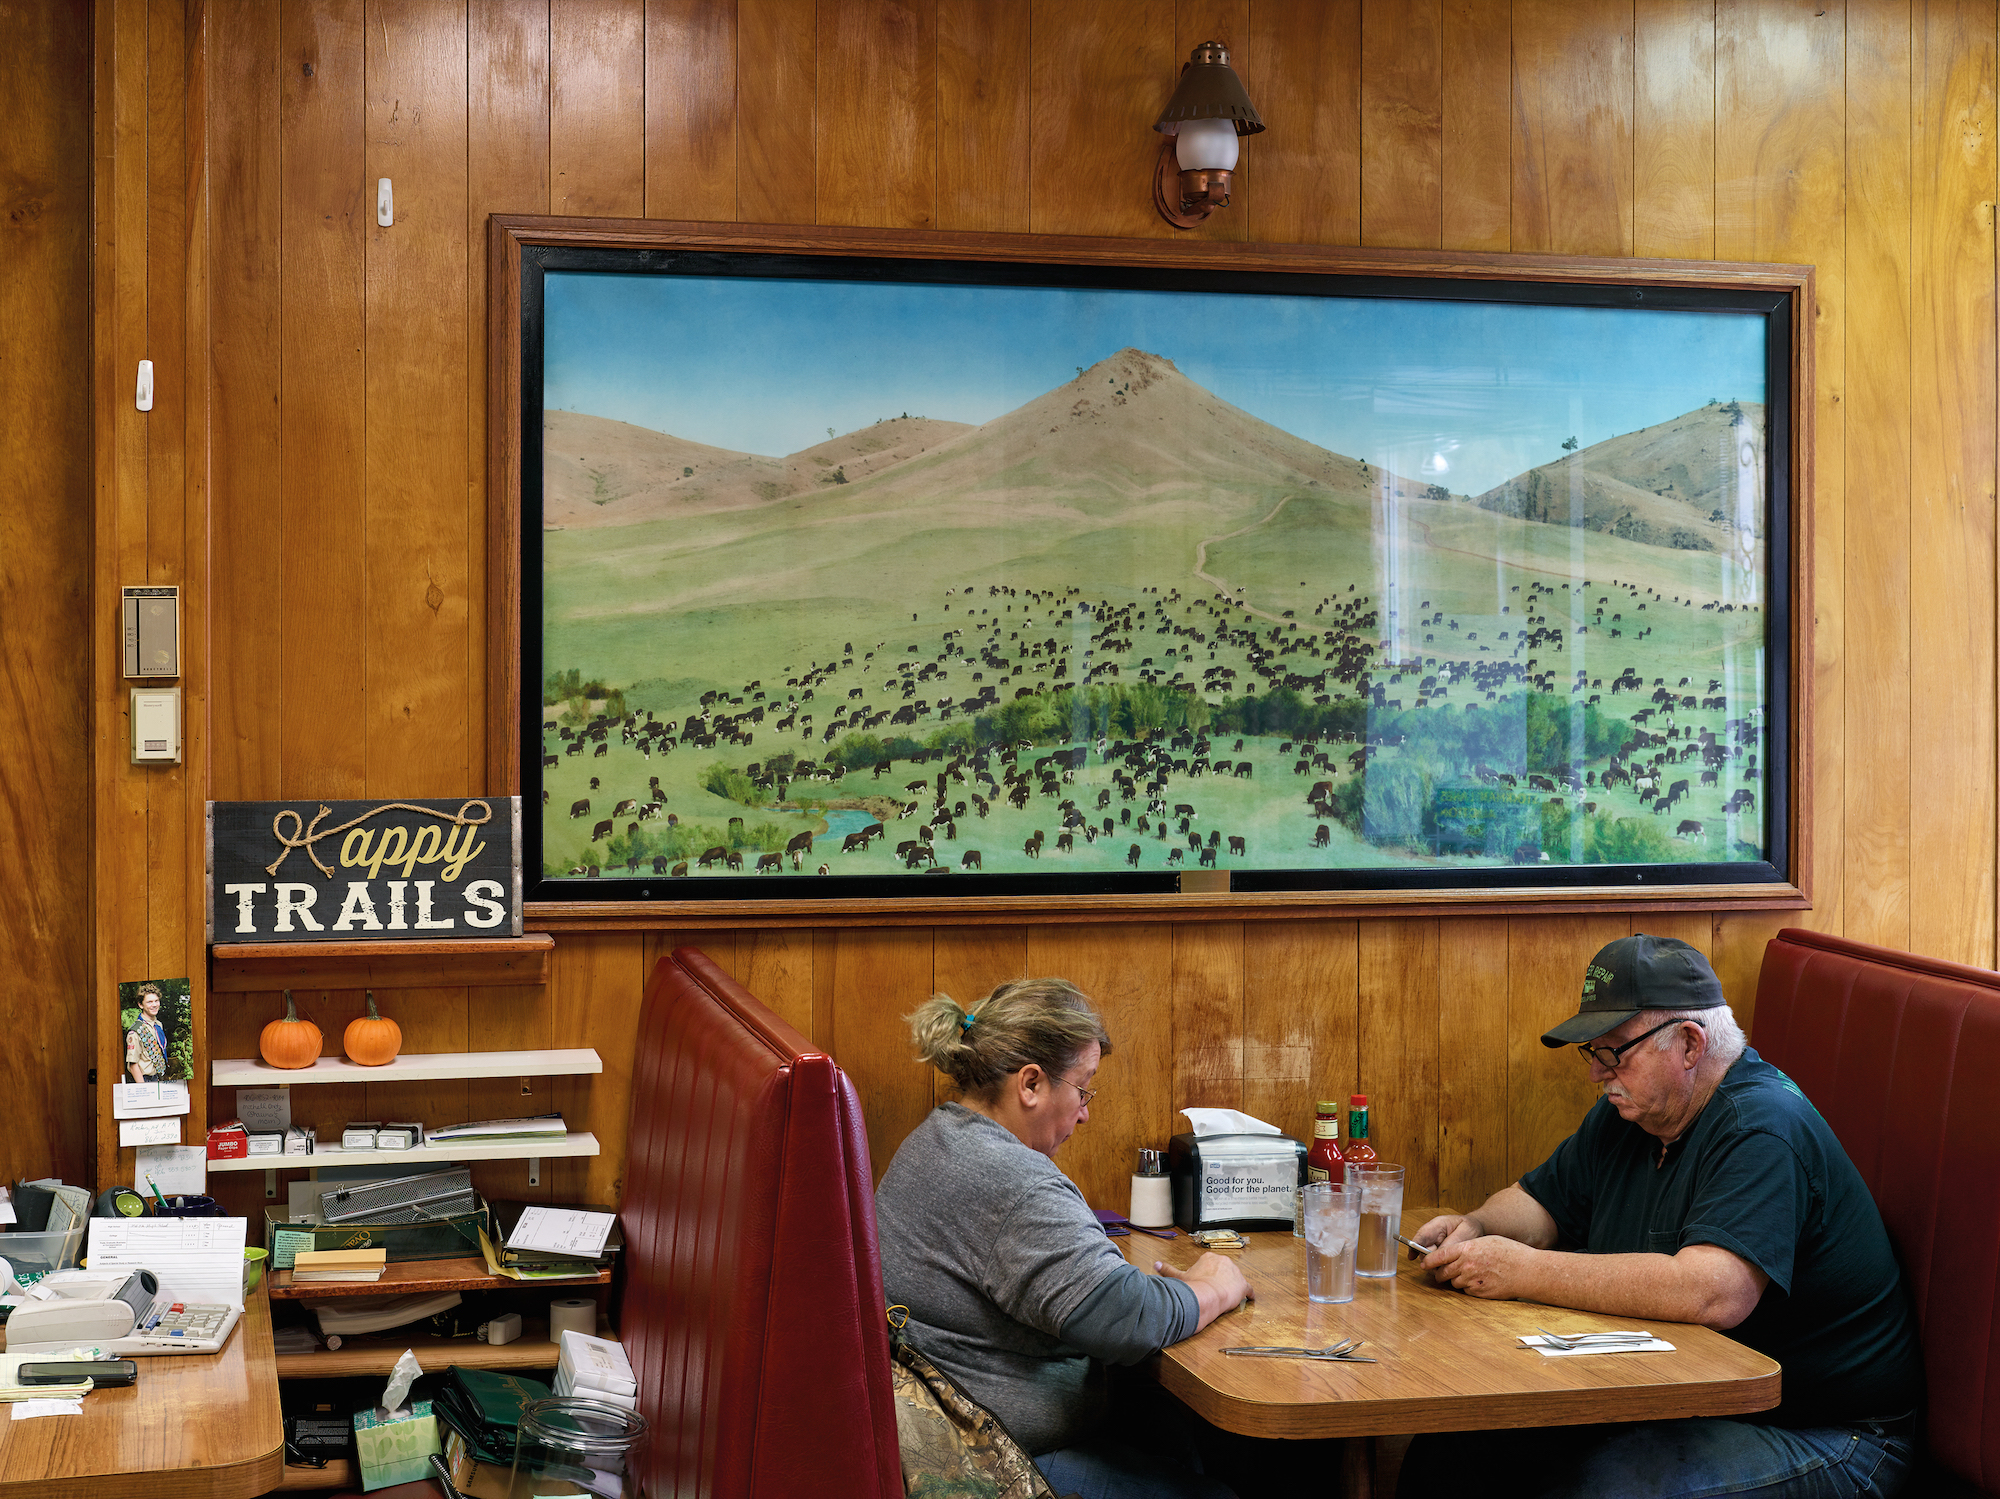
point(1333, 1212)
point(1380, 1191)
point(570, 1446)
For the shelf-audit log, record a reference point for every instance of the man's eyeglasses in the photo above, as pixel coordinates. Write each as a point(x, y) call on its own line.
point(1608, 1057)
point(1087, 1094)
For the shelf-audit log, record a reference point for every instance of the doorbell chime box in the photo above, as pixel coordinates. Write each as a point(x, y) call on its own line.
point(152, 631)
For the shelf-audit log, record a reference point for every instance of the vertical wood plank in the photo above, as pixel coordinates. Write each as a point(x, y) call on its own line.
point(1781, 194)
point(879, 976)
point(597, 107)
point(322, 500)
point(1548, 1091)
point(46, 785)
point(1472, 1125)
point(777, 967)
point(1102, 72)
point(1399, 989)
point(1573, 109)
point(1127, 971)
point(1208, 1015)
point(1876, 573)
point(776, 111)
point(246, 665)
point(1402, 124)
point(1952, 389)
point(510, 1019)
point(1301, 1023)
point(594, 998)
point(120, 887)
point(1477, 49)
point(878, 112)
point(1673, 129)
point(1303, 73)
point(416, 520)
point(691, 109)
point(984, 145)
point(507, 171)
point(165, 494)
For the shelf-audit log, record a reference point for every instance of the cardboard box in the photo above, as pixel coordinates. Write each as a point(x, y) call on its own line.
point(228, 1142)
point(454, 1238)
point(395, 1446)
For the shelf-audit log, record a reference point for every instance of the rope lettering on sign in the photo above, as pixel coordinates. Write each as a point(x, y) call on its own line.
point(304, 835)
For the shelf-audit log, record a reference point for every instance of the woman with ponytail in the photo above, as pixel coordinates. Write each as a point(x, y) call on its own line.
point(1012, 1287)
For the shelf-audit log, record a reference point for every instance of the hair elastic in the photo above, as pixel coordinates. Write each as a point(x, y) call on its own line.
point(965, 1020)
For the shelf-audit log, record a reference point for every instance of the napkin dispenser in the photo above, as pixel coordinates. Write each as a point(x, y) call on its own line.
point(1235, 1181)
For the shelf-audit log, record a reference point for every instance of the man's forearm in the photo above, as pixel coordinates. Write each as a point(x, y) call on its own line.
point(1687, 1287)
point(1513, 1214)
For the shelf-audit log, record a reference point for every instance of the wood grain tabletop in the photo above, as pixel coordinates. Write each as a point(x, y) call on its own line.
point(193, 1427)
point(1446, 1361)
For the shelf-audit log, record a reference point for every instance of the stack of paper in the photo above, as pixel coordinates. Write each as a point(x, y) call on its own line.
point(541, 1126)
point(339, 1264)
point(556, 1237)
point(596, 1369)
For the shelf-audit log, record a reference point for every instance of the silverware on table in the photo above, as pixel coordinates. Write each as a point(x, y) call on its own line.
point(1334, 1353)
point(1594, 1339)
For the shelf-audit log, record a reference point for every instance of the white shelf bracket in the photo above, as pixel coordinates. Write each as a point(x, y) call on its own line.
point(534, 1171)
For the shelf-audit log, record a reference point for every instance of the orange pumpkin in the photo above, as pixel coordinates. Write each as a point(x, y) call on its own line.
point(290, 1042)
point(372, 1040)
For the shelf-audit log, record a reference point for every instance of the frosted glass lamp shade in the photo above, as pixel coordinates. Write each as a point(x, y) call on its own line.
point(1206, 145)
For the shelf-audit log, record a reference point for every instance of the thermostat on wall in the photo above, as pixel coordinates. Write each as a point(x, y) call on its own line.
point(152, 621)
point(156, 726)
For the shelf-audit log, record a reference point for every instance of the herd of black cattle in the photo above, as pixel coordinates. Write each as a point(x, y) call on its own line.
point(1084, 650)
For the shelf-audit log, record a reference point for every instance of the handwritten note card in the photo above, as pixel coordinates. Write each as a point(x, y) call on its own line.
point(150, 1131)
point(177, 1170)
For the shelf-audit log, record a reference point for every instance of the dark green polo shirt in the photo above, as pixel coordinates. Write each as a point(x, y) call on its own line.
point(1761, 1175)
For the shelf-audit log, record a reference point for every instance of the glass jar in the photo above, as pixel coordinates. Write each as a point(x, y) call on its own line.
point(566, 1445)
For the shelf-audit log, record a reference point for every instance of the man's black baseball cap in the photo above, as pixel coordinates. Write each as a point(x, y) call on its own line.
point(1638, 973)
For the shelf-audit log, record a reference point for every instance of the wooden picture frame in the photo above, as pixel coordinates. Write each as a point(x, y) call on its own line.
point(1491, 805)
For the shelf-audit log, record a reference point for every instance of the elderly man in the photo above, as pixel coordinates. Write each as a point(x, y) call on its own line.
point(1701, 1187)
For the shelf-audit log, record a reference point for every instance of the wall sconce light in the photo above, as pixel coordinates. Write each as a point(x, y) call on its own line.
point(1201, 123)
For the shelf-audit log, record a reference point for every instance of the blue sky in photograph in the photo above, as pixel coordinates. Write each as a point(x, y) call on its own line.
point(1466, 395)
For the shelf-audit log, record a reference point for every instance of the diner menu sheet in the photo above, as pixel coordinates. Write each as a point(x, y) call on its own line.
point(199, 1259)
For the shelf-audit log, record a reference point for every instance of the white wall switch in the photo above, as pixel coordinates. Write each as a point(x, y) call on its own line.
point(156, 726)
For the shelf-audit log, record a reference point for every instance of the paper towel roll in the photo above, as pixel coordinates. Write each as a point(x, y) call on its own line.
point(572, 1314)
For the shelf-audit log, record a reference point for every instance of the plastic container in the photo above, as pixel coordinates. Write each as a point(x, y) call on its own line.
point(35, 1255)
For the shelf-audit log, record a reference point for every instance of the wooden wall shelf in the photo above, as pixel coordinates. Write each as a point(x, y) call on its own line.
point(425, 1277)
point(254, 1072)
point(377, 1353)
point(548, 1147)
point(266, 967)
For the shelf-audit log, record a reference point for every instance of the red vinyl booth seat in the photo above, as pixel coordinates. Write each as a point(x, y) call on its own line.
point(1901, 1055)
point(753, 1310)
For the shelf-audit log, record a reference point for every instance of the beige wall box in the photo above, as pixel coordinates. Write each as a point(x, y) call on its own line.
point(156, 726)
point(152, 627)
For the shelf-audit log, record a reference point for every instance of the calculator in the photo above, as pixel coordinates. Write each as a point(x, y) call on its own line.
point(184, 1327)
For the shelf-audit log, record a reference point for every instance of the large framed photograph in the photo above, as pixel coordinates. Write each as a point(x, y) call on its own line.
point(897, 567)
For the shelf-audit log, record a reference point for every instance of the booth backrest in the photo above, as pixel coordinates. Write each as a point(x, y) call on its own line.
point(752, 1309)
point(1901, 1055)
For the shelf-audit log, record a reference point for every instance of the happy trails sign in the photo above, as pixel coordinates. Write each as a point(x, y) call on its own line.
point(357, 871)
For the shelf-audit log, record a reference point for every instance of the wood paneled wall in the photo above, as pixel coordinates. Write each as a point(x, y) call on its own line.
point(47, 1010)
point(333, 410)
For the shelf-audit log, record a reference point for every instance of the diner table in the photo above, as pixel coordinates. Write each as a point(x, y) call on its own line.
point(1445, 1361)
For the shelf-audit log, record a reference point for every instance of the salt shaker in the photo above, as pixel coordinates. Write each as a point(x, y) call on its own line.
point(1152, 1193)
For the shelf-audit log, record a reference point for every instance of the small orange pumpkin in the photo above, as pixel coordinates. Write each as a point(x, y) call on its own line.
point(372, 1040)
point(290, 1042)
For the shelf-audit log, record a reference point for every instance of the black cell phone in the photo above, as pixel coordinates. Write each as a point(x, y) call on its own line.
point(100, 1371)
